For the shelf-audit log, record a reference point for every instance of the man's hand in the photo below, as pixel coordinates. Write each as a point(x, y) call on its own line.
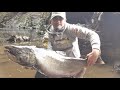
point(93, 56)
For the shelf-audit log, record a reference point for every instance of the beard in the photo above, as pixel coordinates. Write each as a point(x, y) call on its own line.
point(59, 28)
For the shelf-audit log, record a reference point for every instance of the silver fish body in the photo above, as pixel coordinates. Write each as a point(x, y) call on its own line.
point(46, 61)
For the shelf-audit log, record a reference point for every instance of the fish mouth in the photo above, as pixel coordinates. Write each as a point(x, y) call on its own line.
point(8, 47)
point(7, 50)
point(10, 56)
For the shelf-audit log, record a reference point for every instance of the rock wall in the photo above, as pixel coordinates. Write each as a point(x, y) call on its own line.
point(108, 29)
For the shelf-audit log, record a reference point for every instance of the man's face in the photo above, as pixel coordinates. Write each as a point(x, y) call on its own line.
point(58, 22)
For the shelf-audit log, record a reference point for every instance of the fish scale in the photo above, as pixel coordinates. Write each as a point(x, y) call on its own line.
point(47, 61)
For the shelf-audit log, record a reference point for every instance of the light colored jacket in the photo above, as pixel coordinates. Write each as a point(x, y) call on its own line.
point(66, 41)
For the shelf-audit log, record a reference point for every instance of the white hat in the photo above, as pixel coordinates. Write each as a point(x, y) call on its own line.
point(61, 14)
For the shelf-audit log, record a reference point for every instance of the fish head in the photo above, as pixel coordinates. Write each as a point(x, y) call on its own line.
point(12, 50)
point(23, 56)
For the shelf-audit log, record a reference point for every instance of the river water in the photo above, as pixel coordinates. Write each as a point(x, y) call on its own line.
point(10, 69)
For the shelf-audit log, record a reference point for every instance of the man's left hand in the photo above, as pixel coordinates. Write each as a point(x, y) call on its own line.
point(92, 57)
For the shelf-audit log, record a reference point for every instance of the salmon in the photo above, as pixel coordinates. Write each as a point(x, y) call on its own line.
point(46, 61)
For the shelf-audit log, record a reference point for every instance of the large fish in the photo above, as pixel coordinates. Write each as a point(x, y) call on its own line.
point(48, 62)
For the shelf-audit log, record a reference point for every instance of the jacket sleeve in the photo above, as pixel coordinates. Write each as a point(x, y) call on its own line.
point(85, 33)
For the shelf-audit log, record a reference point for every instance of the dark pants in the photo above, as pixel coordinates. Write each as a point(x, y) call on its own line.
point(39, 75)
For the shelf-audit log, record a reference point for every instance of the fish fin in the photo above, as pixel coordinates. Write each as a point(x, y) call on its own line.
point(73, 58)
point(81, 73)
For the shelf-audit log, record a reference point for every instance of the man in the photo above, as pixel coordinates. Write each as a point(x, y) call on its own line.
point(63, 38)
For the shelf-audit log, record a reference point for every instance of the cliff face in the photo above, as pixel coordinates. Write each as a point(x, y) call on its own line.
point(79, 17)
point(22, 19)
point(6, 16)
point(110, 34)
point(106, 24)
point(22, 23)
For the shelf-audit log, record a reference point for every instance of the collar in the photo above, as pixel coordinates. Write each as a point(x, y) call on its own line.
point(50, 29)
